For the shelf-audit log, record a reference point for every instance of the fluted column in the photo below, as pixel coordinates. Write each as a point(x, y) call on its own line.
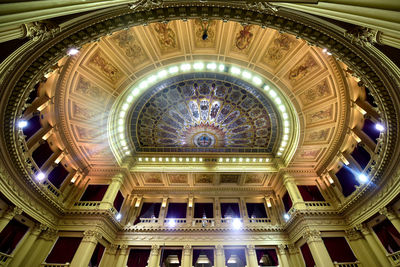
point(392, 217)
point(251, 251)
point(295, 256)
point(317, 248)
point(360, 248)
point(26, 246)
point(153, 258)
point(8, 216)
point(112, 191)
point(376, 248)
point(294, 192)
point(122, 256)
point(41, 247)
point(187, 253)
point(283, 259)
point(109, 256)
point(220, 256)
point(86, 248)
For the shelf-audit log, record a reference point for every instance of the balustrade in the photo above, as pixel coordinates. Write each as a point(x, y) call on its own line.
point(394, 258)
point(259, 220)
point(317, 204)
point(347, 264)
point(55, 264)
point(4, 259)
point(87, 204)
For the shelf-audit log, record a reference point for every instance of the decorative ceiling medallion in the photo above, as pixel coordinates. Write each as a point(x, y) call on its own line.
point(204, 113)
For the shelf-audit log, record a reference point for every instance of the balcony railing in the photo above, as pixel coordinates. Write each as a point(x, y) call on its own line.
point(55, 264)
point(394, 258)
point(174, 221)
point(4, 259)
point(203, 222)
point(148, 220)
point(347, 264)
point(316, 204)
point(259, 220)
point(87, 204)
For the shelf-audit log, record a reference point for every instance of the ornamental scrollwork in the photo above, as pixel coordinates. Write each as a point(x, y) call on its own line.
point(41, 30)
point(363, 36)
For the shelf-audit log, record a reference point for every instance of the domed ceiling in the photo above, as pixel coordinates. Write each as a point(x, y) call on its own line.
point(203, 113)
point(191, 114)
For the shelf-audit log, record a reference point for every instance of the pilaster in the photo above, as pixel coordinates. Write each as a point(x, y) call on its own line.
point(392, 217)
point(376, 247)
point(317, 248)
point(251, 252)
point(187, 256)
point(26, 246)
point(86, 248)
point(220, 256)
point(8, 215)
point(41, 247)
point(154, 254)
point(283, 258)
point(122, 256)
point(363, 252)
point(295, 256)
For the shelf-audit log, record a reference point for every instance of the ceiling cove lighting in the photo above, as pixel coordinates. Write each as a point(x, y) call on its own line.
point(118, 216)
point(379, 127)
point(22, 124)
point(40, 176)
point(286, 217)
point(145, 83)
point(362, 178)
point(237, 223)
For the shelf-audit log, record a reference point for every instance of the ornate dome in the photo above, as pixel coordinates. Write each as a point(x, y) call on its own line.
point(204, 112)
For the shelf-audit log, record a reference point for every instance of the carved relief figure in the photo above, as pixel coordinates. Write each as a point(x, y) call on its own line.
point(178, 178)
point(320, 135)
point(306, 66)
point(320, 115)
point(278, 49)
point(153, 178)
point(309, 154)
point(199, 27)
point(106, 68)
point(165, 35)
point(229, 178)
point(85, 133)
point(316, 93)
point(244, 37)
point(83, 113)
point(254, 178)
point(131, 46)
point(204, 178)
point(85, 87)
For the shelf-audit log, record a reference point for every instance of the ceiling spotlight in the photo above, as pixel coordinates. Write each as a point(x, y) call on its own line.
point(379, 127)
point(40, 176)
point(362, 178)
point(236, 223)
point(171, 223)
point(22, 124)
point(72, 51)
point(118, 216)
point(286, 216)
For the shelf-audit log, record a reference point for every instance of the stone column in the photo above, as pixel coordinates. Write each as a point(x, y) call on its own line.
point(392, 217)
point(294, 192)
point(154, 254)
point(86, 248)
point(41, 248)
point(220, 256)
point(251, 251)
point(26, 246)
point(317, 248)
point(295, 256)
point(376, 247)
point(187, 259)
point(112, 191)
point(8, 215)
point(363, 253)
point(122, 256)
point(283, 259)
point(109, 256)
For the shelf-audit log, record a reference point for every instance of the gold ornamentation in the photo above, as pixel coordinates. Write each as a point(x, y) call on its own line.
point(105, 68)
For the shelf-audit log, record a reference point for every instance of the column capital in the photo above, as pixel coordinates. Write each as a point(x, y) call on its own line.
point(123, 249)
point(282, 249)
point(219, 250)
point(363, 229)
point(112, 249)
point(292, 249)
point(388, 213)
point(251, 249)
point(11, 212)
point(92, 236)
point(187, 250)
point(49, 234)
point(119, 178)
point(353, 234)
point(312, 235)
point(155, 250)
point(38, 228)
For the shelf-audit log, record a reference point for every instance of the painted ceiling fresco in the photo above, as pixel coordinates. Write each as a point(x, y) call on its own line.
point(204, 115)
point(198, 114)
